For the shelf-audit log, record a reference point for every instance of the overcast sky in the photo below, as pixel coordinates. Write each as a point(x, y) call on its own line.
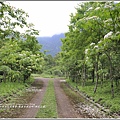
point(49, 17)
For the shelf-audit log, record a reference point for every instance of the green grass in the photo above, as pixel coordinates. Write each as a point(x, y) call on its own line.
point(30, 80)
point(47, 75)
point(8, 88)
point(102, 96)
point(48, 107)
point(44, 75)
point(35, 75)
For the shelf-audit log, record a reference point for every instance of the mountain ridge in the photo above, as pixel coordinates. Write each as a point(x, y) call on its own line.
point(51, 44)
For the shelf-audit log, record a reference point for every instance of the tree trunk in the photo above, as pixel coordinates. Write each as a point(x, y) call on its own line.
point(97, 77)
point(111, 74)
point(112, 86)
point(4, 77)
point(84, 75)
point(93, 75)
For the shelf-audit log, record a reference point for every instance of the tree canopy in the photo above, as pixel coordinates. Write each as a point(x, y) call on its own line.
point(91, 47)
point(19, 52)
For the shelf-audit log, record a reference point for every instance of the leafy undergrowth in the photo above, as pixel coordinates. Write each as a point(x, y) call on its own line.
point(9, 88)
point(102, 96)
point(48, 107)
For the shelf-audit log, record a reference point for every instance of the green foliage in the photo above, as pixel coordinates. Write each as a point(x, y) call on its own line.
point(51, 66)
point(20, 52)
point(91, 49)
point(9, 88)
point(46, 75)
point(48, 107)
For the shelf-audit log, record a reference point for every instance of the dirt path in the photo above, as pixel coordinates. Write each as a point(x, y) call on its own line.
point(36, 100)
point(65, 108)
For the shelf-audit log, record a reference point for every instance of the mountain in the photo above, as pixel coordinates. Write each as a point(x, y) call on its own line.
point(52, 44)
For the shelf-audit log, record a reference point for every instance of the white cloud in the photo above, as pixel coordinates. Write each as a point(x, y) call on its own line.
point(49, 17)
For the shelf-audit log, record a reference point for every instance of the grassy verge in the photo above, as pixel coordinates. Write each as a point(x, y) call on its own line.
point(102, 96)
point(48, 108)
point(9, 88)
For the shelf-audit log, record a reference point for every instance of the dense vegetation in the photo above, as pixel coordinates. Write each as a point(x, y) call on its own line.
point(90, 51)
point(19, 52)
point(91, 48)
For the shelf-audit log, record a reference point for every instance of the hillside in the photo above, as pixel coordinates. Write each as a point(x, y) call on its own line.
point(52, 44)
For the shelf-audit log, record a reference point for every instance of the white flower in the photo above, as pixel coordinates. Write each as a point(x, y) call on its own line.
point(107, 5)
point(108, 35)
point(20, 54)
point(6, 13)
point(87, 58)
point(43, 106)
point(108, 20)
point(117, 33)
point(90, 8)
point(100, 41)
point(86, 51)
point(97, 8)
point(96, 46)
point(93, 17)
point(92, 44)
point(84, 13)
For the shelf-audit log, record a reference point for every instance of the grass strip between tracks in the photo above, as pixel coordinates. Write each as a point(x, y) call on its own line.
point(48, 107)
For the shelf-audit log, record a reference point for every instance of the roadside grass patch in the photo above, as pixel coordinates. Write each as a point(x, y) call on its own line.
point(102, 96)
point(10, 87)
point(48, 107)
point(35, 75)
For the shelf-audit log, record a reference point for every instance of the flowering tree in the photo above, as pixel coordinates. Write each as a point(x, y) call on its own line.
point(20, 52)
point(93, 41)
